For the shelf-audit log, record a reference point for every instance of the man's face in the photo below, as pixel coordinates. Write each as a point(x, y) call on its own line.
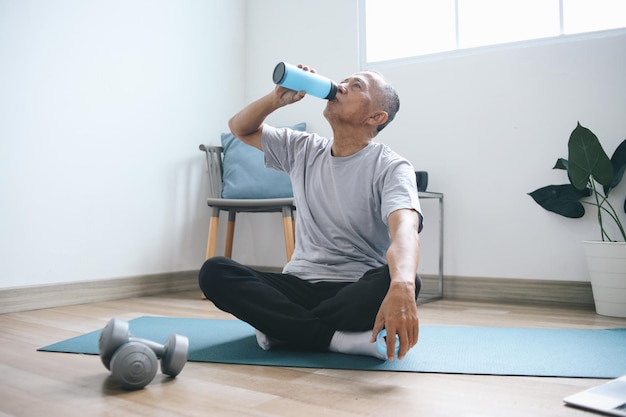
point(356, 99)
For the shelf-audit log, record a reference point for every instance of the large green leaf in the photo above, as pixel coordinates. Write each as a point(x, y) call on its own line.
point(619, 166)
point(587, 159)
point(561, 199)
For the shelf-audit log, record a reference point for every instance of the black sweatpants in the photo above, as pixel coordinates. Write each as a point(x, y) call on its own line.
point(287, 308)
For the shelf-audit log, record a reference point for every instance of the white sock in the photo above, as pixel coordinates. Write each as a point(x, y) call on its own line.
point(355, 343)
point(266, 342)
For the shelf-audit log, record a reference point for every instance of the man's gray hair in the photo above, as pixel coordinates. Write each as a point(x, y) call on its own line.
point(390, 102)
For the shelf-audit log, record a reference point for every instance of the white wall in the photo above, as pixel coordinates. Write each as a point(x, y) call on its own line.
point(102, 107)
point(103, 104)
point(488, 127)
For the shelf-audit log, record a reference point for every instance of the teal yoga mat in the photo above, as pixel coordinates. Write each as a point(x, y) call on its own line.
point(441, 349)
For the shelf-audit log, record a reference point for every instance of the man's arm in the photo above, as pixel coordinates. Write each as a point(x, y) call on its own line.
point(247, 125)
point(398, 311)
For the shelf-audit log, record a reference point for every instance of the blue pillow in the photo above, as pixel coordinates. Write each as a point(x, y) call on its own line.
point(245, 175)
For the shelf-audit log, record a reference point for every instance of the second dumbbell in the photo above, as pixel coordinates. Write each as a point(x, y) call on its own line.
point(173, 353)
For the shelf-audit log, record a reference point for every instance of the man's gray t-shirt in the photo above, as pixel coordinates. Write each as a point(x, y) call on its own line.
point(342, 203)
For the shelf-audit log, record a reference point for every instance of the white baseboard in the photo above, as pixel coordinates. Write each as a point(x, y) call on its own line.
point(56, 295)
point(507, 290)
point(498, 290)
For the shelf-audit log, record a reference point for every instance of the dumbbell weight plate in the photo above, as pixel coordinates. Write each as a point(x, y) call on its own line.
point(176, 353)
point(114, 335)
point(134, 365)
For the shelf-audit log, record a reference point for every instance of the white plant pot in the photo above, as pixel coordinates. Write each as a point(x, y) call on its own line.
point(607, 268)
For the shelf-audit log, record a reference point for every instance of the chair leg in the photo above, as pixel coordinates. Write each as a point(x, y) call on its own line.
point(213, 226)
point(230, 234)
point(289, 231)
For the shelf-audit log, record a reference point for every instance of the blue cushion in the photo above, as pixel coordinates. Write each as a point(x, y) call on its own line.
point(245, 174)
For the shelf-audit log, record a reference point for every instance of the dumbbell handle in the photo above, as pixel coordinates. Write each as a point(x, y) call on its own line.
point(159, 349)
point(173, 353)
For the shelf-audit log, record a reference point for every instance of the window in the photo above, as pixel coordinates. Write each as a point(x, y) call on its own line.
point(397, 29)
point(489, 22)
point(581, 16)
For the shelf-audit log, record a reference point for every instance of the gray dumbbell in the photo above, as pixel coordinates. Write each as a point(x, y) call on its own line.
point(134, 365)
point(173, 353)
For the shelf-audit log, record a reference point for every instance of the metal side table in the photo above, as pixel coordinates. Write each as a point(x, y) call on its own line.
point(425, 298)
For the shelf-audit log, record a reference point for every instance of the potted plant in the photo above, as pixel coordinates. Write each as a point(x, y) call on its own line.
point(592, 176)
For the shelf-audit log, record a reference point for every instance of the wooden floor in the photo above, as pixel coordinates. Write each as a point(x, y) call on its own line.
point(54, 384)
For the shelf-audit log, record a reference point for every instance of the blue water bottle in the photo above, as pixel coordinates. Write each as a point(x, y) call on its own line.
point(294, 78)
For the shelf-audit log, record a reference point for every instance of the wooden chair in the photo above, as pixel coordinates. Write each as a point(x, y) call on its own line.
point(215, 169)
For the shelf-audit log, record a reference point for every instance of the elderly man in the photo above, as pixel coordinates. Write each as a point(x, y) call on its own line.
point(354, 268)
